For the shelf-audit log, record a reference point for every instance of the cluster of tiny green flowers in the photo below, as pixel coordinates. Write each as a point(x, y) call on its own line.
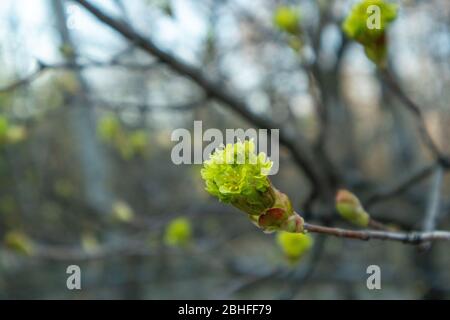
point(235, 170)
point(373, 39)
point(237, 175)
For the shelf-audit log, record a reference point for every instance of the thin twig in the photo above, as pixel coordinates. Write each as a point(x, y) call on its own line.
point(405, 237)
point(24, 81)
point(375, 224)
point(432, 212)
point(401, 186)
point(71, 66)
point(433, 203)
point(121, 105)
point(417, 111)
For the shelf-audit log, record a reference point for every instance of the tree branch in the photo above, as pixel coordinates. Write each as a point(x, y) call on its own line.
point(24, 81)
point(433, 204)
point(401, 186)
point(409, 237)
point(301, 153)
point(417, 112)
point(120, 105)
point(42, 67)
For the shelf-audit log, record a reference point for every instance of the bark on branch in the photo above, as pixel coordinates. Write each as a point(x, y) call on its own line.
point(405, 237)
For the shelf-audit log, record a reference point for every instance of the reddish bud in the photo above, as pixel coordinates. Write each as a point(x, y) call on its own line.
point(273, 217)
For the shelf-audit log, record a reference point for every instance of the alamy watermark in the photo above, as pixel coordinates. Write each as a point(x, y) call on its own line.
point(374, 19)
point(74, 280)
point(374, 280)
point(189, 150)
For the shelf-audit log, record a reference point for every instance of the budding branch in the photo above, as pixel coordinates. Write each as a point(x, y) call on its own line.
point(299, 151)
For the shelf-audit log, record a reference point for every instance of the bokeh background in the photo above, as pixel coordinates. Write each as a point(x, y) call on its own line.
point(87, 178)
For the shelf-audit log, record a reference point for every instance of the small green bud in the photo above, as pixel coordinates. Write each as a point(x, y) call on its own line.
point(16, 134)
point(280, 216)
point(287, 19)
point(108, 128)
point(10, 133)
point(293, 224)
point(350, 208)
point(89, 243)
point(19, 242)
point(138, 140)
point(294, 245)
point(178, 233)
point(122, 211)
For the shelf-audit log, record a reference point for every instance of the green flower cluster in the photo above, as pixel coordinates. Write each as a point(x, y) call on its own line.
point(235, 172)
point(367, 24)
point(237, 175)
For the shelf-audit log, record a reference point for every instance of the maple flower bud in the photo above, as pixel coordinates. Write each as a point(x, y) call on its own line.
point(350, 208)
point(237, 175)
point(367, 24)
